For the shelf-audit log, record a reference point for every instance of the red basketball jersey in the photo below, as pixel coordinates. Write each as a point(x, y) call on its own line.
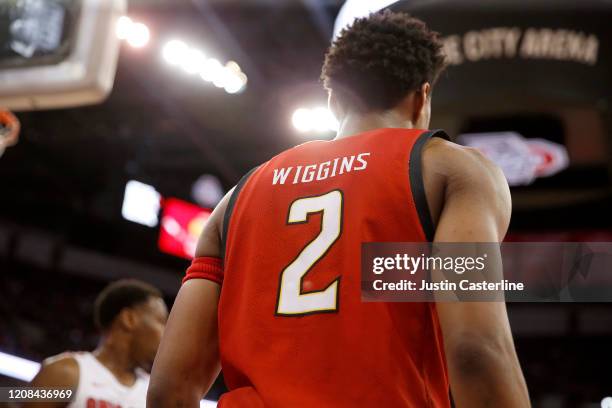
point(293, 330)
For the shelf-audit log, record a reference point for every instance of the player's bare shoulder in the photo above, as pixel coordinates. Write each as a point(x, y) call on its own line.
point(59, 370)
point(461, 164)
point(449, 168)
point(452, 158)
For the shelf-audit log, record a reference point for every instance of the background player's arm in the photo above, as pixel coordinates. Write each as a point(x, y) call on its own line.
point(482, 362)
point(187, 361)
point(58, 372)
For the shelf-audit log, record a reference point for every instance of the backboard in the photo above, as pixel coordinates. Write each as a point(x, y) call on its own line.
point(57, 53)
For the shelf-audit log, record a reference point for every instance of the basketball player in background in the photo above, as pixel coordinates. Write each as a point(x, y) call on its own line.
point(131, 316)
point(274, 294)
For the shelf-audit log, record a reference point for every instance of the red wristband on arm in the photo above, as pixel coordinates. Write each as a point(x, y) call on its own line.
point(205, 267)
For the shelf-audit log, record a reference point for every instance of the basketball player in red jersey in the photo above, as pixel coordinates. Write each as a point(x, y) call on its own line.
point(273, 296)
point(131, 315)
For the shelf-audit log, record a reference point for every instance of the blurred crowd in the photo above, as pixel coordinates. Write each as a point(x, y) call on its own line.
point(44, 313)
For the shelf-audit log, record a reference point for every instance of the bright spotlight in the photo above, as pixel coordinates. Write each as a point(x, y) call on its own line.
point(233, 65)
point(243, 78)
point(323, 120)
point(124, 25)
point(233, 84)
point(139, 35)
point(302, 120)
point(194, 61)
point(227, 78)
point(211, 70)
point(136, 34)
point(330, 121)
point(233, 88)
point(220, 80)
point(318, 120)
point(175, 51)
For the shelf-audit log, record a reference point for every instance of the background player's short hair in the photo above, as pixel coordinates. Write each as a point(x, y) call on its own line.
point(119, 295)
point(378, 60)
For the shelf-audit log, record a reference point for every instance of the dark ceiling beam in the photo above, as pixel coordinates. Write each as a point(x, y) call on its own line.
point(190, 128)
point(48, 252)
point(270, 3)
point(322, 20)
point(229, 41)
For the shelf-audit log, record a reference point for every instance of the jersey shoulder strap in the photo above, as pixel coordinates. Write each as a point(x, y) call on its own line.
point(417, 186)
point(230, 208)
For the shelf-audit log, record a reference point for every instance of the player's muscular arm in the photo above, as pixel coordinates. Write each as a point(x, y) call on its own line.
point(56, 372)
point(187, 360)
point(475, 207)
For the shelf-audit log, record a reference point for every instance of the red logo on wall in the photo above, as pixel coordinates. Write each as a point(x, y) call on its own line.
point(181, 225)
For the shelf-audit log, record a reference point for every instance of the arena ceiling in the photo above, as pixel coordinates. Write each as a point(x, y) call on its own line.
point(163, 128)
point(67, 175)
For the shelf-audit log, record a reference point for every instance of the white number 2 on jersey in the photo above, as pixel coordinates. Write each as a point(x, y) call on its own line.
point(291, 301)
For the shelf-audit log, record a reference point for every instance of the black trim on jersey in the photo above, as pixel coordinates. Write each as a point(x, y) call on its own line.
point(230, 209)
point(416, 181)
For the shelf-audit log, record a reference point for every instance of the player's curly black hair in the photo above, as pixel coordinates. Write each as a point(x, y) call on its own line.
point(377, 61)
point(119, 295)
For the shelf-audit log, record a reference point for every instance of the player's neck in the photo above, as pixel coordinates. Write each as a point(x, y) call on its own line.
point(354, 123)
point(115, 356)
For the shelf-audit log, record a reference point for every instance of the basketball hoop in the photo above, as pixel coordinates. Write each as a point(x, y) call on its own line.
point(9, 130)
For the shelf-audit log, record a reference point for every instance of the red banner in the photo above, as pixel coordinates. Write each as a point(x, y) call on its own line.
point(181, 225)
